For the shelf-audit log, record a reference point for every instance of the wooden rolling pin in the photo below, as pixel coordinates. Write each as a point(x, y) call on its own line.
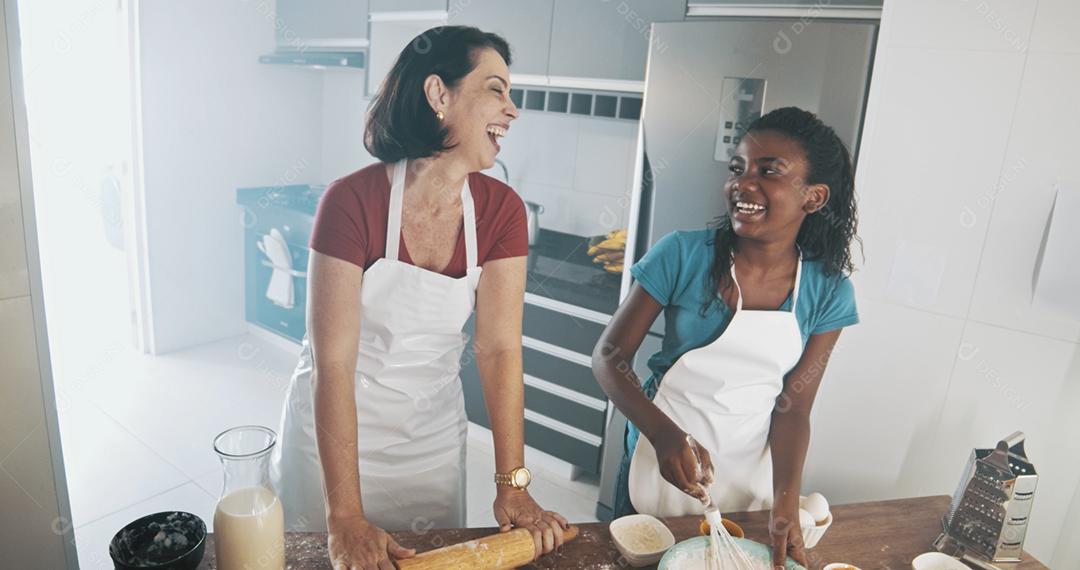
point(501, 551)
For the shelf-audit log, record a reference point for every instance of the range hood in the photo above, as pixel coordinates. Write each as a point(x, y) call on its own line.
point(317, 59)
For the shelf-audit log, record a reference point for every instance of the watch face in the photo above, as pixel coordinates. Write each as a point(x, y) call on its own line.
point(521, 477)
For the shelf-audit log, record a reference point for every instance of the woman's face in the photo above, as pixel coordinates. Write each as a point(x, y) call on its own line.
point(767, 195)
point(479, 111)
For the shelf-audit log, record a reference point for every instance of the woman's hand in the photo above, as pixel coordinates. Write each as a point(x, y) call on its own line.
point(786, 534)
point(356, 544)
point(516, 508)
point(683, 462)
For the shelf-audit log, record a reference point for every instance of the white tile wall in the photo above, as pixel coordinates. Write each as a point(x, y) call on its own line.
point(941, 144)
point(1068, 548)
point(344, 110)
point(1004, 381)
point(579, 169)
point(879, 401)
point(965, 133)
point(1042, 149)
point(1055, 27)
point(1000, 25)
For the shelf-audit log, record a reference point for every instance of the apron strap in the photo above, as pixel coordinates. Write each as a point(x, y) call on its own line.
point(798, 279)
point(794, 293)
point(393, 219)
point(469, 214)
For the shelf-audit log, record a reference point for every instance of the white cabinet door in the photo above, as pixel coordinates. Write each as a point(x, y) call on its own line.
point(525, 24)
point(606, 40)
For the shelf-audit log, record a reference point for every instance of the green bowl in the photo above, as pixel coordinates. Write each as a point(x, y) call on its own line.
point(695, 549)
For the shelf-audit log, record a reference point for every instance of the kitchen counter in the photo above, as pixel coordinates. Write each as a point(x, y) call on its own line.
point(883, 535)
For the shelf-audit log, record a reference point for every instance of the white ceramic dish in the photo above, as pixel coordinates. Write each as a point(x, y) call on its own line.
point(648, 528)
point(937, 561)
point(840, 566)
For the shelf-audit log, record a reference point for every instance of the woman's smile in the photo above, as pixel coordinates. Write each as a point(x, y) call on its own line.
point(496, 132)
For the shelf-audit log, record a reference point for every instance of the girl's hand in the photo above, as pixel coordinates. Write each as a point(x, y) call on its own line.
point(356, 544)
point(684, 462)
point(516, 508)
point(785, 534)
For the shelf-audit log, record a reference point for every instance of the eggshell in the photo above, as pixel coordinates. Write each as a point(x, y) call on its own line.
point(817, 506)
point(806, 520)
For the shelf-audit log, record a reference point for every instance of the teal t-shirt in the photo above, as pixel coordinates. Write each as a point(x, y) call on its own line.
point(675, 272)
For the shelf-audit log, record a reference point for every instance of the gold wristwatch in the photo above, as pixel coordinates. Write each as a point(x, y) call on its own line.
point(518, 478)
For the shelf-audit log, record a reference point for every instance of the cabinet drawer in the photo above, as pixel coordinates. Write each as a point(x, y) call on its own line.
point(542, 432)
point(575, 334)
point(570, 412)
point(559, 371)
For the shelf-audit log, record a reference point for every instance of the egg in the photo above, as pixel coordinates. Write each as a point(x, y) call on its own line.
point(817, 506)
point(806, 520)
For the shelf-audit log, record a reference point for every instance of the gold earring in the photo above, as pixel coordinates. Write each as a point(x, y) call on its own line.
point(439, 115)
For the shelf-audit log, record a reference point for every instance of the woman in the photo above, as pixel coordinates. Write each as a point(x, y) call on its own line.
point(374, 426)
point(752, 311)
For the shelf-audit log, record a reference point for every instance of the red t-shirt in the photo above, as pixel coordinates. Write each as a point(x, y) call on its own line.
point(350, 221)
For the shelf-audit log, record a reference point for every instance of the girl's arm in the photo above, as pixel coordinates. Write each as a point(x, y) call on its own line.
point(500, 298)
point(612, 366)
point(789, 437)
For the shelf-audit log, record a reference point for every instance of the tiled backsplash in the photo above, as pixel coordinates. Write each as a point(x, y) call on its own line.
point(578, 167)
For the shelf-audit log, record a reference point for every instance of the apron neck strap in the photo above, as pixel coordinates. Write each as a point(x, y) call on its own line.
point(794, 293)
point(393, 220)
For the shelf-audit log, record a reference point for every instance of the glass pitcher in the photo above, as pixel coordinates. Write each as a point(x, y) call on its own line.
point(249, 525)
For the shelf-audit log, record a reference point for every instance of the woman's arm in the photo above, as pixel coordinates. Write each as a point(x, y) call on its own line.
point(789, 437)
point(333, 324)
point(612, 366)
point(500, 299)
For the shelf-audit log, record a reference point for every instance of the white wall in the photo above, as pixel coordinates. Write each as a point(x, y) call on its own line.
point(34, 532)
point(972, 117)
point(344, 108)
point(213, 120)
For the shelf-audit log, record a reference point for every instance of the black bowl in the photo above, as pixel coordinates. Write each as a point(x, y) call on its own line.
point(170, 540)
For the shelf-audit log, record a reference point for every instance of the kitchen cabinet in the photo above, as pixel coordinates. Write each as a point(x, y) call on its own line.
point(606, 40)
point(322, 24)
point(407, 5)
point(791, 8)
point(525, 24)
point(565, 409)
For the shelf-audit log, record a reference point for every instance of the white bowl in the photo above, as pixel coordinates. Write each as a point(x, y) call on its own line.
point(811, 535)
point(840, 566)
point(623, 530)
point(937, 561)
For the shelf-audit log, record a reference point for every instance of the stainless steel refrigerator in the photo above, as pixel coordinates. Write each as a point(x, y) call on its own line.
point(705, 82)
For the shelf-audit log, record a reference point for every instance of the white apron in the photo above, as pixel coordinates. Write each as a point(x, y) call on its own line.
point(723, 394)
point(411, 422)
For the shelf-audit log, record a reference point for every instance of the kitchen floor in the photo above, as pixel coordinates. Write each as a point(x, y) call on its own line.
point(137, 431)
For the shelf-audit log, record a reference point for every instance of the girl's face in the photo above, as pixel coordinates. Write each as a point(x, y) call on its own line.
point(478, 111)
point(767, 195)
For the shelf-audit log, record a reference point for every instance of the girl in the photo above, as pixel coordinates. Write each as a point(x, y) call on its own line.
point(752, 311)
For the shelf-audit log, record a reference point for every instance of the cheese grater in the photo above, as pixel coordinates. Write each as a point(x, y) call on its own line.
point(988, 516)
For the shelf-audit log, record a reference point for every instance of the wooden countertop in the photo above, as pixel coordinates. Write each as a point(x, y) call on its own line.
point(883, 535)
